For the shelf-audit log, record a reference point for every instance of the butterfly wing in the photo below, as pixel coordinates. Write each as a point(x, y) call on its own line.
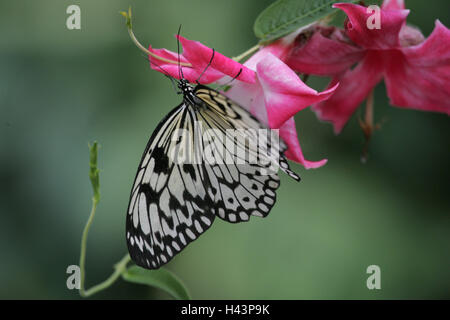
point(242, 187)
point(240, 118)
point(169, 204)
point(177, 193)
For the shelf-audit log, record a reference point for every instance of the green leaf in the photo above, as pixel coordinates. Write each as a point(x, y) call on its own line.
point(160, 278)
point(93, 170)
point(285, 16)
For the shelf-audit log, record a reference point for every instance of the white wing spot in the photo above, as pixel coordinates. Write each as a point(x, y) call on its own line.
point(136, 216)
point(143, 214)
point(175, 245)
point(257, 214)
point(268, 200)
point(206, 220)
point(243, 216)
point(273, 184)
point(169, 251)
point(263, 207)
point(140, 243)
point(183, 240)
point(190, 234)
point(198, 226)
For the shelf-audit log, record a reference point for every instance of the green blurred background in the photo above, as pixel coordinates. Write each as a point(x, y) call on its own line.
point(60, 89)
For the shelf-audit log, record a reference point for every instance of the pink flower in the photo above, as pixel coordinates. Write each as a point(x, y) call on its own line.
point(277, 96)
point(199, 55)
point(267, 87)
point(416, 71)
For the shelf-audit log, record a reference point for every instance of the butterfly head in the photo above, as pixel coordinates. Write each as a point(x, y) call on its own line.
point(185, 87)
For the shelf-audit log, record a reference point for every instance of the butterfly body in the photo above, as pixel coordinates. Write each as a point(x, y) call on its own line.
point(184, 181)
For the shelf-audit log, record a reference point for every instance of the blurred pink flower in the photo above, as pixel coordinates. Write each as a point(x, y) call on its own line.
point(416, 71)
point(267, 87)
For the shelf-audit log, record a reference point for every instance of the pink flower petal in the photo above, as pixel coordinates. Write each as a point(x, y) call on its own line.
point(190, 74)
point(284, 93)
point(418, 77)
point(387, 37)
point(244, 94)
point(200, 55)
point(354, 87)
point(393, 5)
point(324, 53)
point(250, 96)
point(288, 133)
point(278, 48)
point(417, 87)
point(435, 51)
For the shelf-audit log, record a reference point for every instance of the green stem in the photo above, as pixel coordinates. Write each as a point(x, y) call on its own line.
point(83, 245)
point(246, 53)
point(146, 51)
point(129, 23)
point(119, 267)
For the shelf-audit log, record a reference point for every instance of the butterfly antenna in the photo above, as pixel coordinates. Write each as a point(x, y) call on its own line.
point(227, 83)
point(173, 83)
point(156, 65)
point(207, 66)
point(180, 69)
point(172, 79)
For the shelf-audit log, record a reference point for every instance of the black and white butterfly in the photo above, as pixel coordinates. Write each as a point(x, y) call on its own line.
point(173, 202)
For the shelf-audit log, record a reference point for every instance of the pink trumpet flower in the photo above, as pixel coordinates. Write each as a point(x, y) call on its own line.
point(416, 70)
point(265, 86)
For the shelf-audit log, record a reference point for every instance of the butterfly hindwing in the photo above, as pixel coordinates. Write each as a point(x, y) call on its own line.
point(240, 118)
point(241, 187)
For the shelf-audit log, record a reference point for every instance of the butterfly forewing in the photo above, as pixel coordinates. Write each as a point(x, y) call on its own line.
point(169, 206)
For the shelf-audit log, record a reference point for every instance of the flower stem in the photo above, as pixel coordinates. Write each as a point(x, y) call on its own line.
point(83, 245)
point(369, 109)
point(367, 126)
point(246, 53)
point(127, 16)
point(120, 267)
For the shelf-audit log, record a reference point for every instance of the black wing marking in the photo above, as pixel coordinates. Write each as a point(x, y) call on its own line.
point(240, 118)
point(169, 204)
point(241, 187)
point(173, 202)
